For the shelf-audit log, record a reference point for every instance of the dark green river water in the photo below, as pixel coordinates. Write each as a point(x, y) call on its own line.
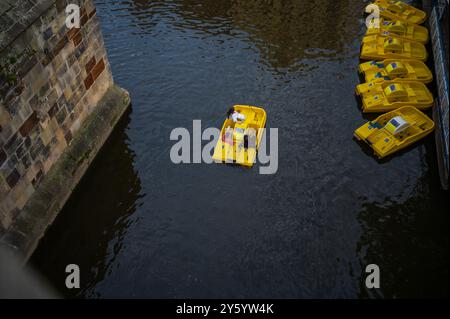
point(140, 226)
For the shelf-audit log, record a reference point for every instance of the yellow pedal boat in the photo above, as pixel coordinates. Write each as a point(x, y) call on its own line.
point(395, 130)
point(398, 10)
point(377, 47)
point(390, 95)
point(239, 141)
point(400, 29)
point(396, 69)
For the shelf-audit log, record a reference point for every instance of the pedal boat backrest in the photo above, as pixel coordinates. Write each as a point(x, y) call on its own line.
point(393, 44)
point(397, 69)
point(395, 7)
point(395, 92)
point(397, 27)
point(396, 125)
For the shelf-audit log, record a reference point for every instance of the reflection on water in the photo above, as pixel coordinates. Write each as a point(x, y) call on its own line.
point(144, 227)
point(284, 31)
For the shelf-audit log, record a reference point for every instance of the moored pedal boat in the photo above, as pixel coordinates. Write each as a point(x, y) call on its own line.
point(400, 29)
point(395, 130)
point(390, 95)
point(377, 47)
point(398, 10)
point(396, 69)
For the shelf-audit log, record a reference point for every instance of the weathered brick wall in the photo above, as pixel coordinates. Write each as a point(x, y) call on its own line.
point(51, 78)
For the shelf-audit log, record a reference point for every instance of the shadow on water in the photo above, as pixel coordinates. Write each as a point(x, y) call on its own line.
point(370, 152)
point(385, 242)
point(410, 266)
point(89, 232)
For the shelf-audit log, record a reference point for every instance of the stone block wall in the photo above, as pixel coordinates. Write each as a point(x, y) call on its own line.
point(51, 79)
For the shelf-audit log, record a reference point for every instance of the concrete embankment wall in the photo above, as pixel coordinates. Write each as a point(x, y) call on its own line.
point(58, 104)
point(437, 24)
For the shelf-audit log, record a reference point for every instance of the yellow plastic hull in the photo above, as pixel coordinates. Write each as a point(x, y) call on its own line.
point(383, 142)
point(374, 98)
point(376, 71)
point(373, 49)
point(230, 150)
point(412, 32)
point(405, 13)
